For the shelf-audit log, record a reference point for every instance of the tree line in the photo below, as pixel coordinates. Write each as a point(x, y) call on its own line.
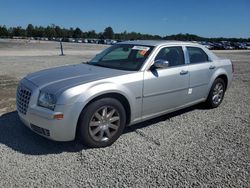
point(54, 31)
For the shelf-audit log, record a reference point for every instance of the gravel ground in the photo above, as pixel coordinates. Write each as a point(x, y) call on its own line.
point(192, 147)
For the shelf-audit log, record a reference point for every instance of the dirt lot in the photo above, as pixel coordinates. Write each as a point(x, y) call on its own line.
point(192, 147)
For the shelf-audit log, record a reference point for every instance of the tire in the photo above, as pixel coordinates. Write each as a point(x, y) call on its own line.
point(101, 123)
point(216, 93)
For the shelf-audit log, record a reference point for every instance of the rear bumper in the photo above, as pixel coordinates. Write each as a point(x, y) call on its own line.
point(40, 120)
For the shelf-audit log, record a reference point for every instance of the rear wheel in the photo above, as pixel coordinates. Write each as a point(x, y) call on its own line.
point(102, 122)
point(216, 93)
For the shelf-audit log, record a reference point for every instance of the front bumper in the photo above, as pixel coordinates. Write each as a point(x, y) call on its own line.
point(41, 121)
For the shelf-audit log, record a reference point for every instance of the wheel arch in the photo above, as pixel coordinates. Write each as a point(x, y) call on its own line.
point(224, 78)
point(219, 73)
point(121, 98)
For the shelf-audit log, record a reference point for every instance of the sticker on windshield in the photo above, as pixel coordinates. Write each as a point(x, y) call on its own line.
point(141, 48)
point(142, 52)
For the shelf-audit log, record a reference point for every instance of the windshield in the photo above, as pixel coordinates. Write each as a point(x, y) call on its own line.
point(122, 56)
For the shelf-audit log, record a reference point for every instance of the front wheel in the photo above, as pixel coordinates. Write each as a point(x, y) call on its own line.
point(216, 93)
point(102, 122)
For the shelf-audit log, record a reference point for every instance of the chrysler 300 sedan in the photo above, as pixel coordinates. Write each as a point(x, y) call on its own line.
point(127, 83)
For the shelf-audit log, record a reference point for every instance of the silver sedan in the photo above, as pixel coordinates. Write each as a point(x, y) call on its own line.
point(125, 84)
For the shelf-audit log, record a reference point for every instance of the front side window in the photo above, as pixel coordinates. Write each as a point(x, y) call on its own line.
point(174, 55)
point(123, 56)
point(197, 55)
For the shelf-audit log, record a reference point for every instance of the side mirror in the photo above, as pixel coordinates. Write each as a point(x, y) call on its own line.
point(160, 64)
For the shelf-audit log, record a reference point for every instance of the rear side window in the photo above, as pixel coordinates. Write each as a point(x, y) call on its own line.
point(197, 55)
point(174, 56)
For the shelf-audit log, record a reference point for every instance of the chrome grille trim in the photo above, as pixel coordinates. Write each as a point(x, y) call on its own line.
point(23, 99)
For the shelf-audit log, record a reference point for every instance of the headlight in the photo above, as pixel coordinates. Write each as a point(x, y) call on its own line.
point(47, 100)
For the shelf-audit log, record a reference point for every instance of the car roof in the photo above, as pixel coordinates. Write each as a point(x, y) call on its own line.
point(158, 42)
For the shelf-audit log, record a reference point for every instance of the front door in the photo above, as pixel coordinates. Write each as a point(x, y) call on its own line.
point(166, 89)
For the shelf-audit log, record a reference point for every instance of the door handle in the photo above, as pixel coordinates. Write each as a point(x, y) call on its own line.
point(212, 67)
point(183, 72)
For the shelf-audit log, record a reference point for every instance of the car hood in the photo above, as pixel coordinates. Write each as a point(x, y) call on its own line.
point(57, 80)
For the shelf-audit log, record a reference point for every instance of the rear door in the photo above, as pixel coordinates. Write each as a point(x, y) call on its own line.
point(166, 88)
point(201, 69)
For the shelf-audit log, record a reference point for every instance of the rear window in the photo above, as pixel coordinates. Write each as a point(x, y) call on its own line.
point(197, 55)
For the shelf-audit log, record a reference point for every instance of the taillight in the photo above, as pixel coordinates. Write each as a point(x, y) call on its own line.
point(232, 67)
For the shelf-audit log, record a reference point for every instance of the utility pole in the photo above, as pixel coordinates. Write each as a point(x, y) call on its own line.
point(61, 46)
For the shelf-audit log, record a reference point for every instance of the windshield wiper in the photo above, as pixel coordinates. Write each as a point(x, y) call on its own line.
point(100, 65)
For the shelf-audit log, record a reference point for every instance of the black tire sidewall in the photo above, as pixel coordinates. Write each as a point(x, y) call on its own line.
point(85, 117)
point(210, 102)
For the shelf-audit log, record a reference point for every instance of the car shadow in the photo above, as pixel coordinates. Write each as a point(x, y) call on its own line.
point(14, 134)
point(165, 117)
point(18, 137)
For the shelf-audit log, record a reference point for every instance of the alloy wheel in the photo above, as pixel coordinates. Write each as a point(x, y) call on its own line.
point(218, 92)
point(104, 123)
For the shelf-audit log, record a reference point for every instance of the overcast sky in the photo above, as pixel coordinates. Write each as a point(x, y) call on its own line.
point(208, 18)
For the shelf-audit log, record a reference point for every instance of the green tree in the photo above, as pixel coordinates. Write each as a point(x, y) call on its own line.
point(64, 33)
point(3, 31)
point(50, 32)
point(39, 31)
point(77, 33)
point(18, 31)
point(59, 31)
point(108, 33)
point(70, 32)
point(30, 30)
point(92, 34)
point(84, 34)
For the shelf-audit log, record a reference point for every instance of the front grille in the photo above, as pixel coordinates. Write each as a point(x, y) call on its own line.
point(23, 99)
point(40, 130)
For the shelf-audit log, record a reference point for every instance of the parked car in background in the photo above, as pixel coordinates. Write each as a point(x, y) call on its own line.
point(108, 41)
point(79, 40)
point(91, 41)
point(127, 83)
point(113, 42)
point(85, 41)
point(247, 46)
point(208, 45)
point(238, 45)
point(228, 47)
point(71, 39)
point(218, 46)
point(102, 41)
